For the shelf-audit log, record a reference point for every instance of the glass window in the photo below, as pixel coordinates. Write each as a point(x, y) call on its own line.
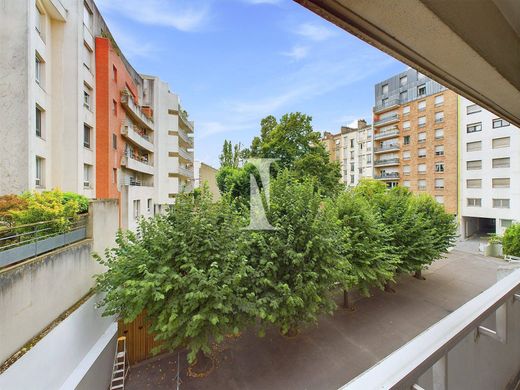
point(421, 168)
point(86, 136)
point(474, 202)
point(501, 203)
point(421, 136)
point(39, 172)
point(87, 56)
point(403, 96)
point(87, 17)
point(439, 199)
point(38, 66)
point(38, 122)
point(406, 169)
point(474, 183)
point(406, 139)
point(406, 125)
point(149, 205)
point(501, 182)
point(439, 133)
point(406, 155)
point(439, 150)
point(474, 127)
point(87, 173)
point(422, 152)
point(439, 167)
point(384, 89)
point(137, 208)
point(439, 100)
point(473, 165)
point(422, 121)
point(501, 142)
point(40, 21)
point(86, 100)
point(505, 223)
point(474, 146)
point(406, 110)
point(439, 184)
point(439, 117)
point(421, 184)
point(473, 109)
point(421, 90)
point(499, 123)
point(406, 183)
point(403, 80)
point(114, 141)
point(421, 106)
point(503, 162)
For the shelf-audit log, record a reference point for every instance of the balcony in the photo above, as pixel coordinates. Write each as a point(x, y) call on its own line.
point(386, 134)
point(183, 116)
point(185, 154)
point(387, 176)
point(392, 103)
point(137, 164)
point(386, 162)
point(386, 148)
point(187, 138)
point(138, 137)
point(135, 111)
point(387, 120)
point(186, 172)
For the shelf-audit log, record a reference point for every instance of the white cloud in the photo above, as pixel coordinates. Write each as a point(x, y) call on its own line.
point(182, 15)
point(297, 52)
point(314, 31)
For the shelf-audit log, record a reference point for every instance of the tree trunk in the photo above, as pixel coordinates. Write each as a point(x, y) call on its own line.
point(418, 275)
point(202, 366)
point(388, 288)
point(347, 302)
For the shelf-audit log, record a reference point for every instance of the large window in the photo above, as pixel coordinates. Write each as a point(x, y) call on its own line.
point(406, 169)
point(421, 184)
point(39, 172)
point(499, 123)
point(421, 168)
point(421, 90)
point(422, 153)
point(473, 165)
point(406, 183)
point(406, 110)
point(87, 132)
point(403, 80)
point(474, 202)
point(38, 69)
point(474, 146)
point(87, 17)
point(439, 199)
point(439, 133)
point(439, 184)
point(474, 127)
point(406, 140)
point(501, 182)
point(421, 137)
point(406, 155)
point(38, 122)
point(87, 56)
point(474, 183)
point(403, 96)
point(87, 98)
point(439, 100)
point(384, 89)
point(503, 162)
point(87, 176)
point(439, 150)
point(422, 121)
point(421, 106)
point(137, 209)
point(439, 167)
point(439, 117)
point(502, 142)
point(406, 125)
point(501, 203)
point(473, 109)
point(40, 21)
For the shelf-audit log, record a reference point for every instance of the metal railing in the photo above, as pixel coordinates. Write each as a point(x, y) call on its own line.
point(389, 175)
point(386, 161)
point(389, 103)
point(386, 119)
point(184, 117)
point(21, 242)
point(386, 147)
point(385, 134)
point(461, 347)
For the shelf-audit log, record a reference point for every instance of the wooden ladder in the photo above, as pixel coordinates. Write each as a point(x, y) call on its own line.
point(121, 366)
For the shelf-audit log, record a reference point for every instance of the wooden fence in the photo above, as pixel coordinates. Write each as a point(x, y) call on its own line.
point(139, 342)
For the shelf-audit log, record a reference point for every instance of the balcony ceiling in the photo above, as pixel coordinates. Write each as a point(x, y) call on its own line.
point(472, 47)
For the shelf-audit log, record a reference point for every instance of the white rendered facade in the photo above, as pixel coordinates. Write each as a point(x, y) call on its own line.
point(357, 158)
point(490, 170)
point(48, 90)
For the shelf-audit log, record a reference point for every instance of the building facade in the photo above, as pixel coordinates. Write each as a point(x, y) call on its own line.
point(352, 149)
point(207, 175)
point(415, 136)
point(490, 171)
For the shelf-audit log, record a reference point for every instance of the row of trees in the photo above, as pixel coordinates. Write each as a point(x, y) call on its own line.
point(200, 276)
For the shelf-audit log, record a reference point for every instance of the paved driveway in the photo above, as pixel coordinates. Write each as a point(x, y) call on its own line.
point(341, 346)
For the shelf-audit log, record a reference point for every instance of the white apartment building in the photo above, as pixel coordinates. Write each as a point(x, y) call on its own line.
point(489, 171)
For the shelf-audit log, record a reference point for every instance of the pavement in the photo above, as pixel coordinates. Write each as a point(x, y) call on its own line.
point(339, 347)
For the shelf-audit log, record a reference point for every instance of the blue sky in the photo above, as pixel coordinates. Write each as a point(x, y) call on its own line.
point(234, 62)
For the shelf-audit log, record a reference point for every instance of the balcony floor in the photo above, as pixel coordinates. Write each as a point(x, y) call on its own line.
point(342, 346)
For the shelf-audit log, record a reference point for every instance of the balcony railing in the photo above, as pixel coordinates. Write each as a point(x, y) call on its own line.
point(184, 118)
point(386, 120)
point(186, 172)
point(386, 106)
point(135, 111)
point(185, 154)
point(386, 134)
point(461, 351)
point(184, 136)
point(386, 176)
point(385, 148)
point(137, 163)
point(388, 161)
point(137, 136)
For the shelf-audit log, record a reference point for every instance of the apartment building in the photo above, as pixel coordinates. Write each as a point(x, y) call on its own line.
point(352, 149)
point(415, 136)
point(207, 175)
point(489, 171)
point(48, 89)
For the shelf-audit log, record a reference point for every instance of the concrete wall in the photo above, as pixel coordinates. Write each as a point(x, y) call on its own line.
point(77, 353)
point(103, 224)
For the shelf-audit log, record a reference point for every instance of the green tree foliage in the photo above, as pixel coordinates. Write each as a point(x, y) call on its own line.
point(369, 243)
point(511, 240)
point(299, 264)
point(232, 155)
point(236, 182)
point(186, 271)
point(80, 199)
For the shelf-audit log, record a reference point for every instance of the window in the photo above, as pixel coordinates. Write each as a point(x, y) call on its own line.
point(473, 109)
point(38, 122)
point(421, 184)
point(87, 17)
point(406, 125)
point(86, 99)
point(369, 159)
point(114, 107)
point(501, 142)
point(406, 169)
point(351, 143)
point(87, 56)
point(439, 133)
point(473, 165)
point(351, 179)
point(385, 102)
point(474, 127)
point(503, 162)
point(369, 146)
point(38, 69)
point(114, 175)
point(439, 167)
point(439, 100)
point(114, 73)
point(439, 184)
point(149, 205)
point(422, 152)
point(474, 146)
point(439, 199)
point(474, 202)
point(137, 208)
point(501, 203)
point(403, 80)
point(384, 89)
point(505, 223)
point(439, 150)
point(421, 106)
point(421, 90)
point(439, 117)
point(406, 140)
point(421, 168)
point(403, 96)
point(40, 21)
point(87, 131)
point(421, 137)
point(352, 169)
point(87, 175)
point(352, 155)
point(406, 155)
point(422, 121)
point(501, 182)
point(474, 183)
point(39, 172)
point(406, 110)
point(499, 123)
point(406, 183)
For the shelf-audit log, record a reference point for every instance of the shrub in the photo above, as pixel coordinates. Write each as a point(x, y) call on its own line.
point(80, 199)
point(511, 240)
point(10, 203)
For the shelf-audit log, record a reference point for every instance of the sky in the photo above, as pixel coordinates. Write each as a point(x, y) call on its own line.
point(233, 62)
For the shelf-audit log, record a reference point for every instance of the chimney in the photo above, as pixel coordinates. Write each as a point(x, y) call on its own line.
point(361, 123)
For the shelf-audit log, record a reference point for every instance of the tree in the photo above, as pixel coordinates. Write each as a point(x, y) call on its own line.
point(186, 272)
point(299, 264)
point(236, 182)
point(511, 240)
point(232, 155)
